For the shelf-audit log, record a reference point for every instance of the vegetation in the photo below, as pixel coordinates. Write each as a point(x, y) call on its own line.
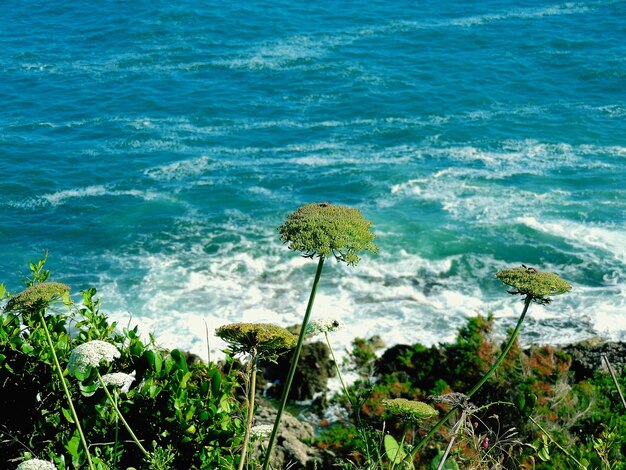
point(86, 393)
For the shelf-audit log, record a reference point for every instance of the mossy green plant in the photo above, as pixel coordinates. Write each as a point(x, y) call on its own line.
point(264, 338)
point(36, 297)
point(531, 282)
point(410, 410)
point(320, 230)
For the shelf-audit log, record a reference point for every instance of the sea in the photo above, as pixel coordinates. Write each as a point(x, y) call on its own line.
point(152, 149)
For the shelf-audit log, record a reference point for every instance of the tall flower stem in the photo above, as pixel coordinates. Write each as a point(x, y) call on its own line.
point(66, 390)
point(294, 364)
point(246, 440)
point(343, 384)
point(121, 416)
point(480, 383)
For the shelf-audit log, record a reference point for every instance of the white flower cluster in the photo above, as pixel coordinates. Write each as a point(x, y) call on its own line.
point(322, 325)
point(91, 354)
point(261, 430)
point(118, 379)
point(36, 464)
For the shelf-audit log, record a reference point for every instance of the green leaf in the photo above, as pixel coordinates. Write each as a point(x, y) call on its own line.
point(68, 415)
point(216, 382)
point(395, 452)
point(449, 464)
point(87, 390)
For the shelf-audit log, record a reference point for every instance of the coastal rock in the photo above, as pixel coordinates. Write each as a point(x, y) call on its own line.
point(292, 449)
point(315, 367)
point(587, 356)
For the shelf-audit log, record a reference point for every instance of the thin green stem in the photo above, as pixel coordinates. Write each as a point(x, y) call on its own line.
point(615, 382)
point(294, 364)
point(121, 416)
point(117, 431)
point(395, 457)
point(252, 391)
point(343, 384)
point(562, 449)
point(480, 383)
point(66, 390)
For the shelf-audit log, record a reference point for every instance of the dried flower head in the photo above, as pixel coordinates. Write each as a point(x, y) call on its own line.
point(325, 229)
point(36, 297)
point(533, 283)
point(409, 409)
point(322, 325)
point(88, 355)
point(119, 380)
point(36, 464)
point(261, 430)
point(264, 338)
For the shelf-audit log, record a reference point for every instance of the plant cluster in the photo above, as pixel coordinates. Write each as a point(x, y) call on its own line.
point(89, 394)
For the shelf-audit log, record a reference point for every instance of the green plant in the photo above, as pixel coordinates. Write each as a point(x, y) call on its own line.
point(535, 286)
point(259, 341)
point(34, 301)
point(320, 230)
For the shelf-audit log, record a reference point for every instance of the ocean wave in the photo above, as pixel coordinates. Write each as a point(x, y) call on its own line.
point(611, 240)
point(62, 197)
point(181, 169)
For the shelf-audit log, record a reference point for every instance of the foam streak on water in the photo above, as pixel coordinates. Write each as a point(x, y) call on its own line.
point(154, 159)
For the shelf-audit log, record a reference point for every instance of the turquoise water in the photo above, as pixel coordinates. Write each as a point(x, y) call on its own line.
point(154, 148)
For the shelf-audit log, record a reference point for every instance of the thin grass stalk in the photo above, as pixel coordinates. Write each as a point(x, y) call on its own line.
point(480, 383)
point(117, 433)
point(614, 377)
point(562, 449)
point(252, 391)
point(121, 416)
point(66, 390)
point(393, 461)
point(294, 364)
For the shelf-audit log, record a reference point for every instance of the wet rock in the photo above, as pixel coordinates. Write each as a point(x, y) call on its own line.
point(587, 356)
point(293, 447)
point(315, 367)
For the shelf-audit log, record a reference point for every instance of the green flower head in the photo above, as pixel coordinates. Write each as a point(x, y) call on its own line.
point(264, 338)
point(533, 283)
point(37, 297)
point(322, 229)
point(409, 409)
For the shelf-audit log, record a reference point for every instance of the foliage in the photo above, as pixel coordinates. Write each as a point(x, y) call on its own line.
point(174, 402)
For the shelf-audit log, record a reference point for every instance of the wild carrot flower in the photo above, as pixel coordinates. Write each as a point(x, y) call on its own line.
point(322, 229)
point(90, 354)
point(264, 338)
point(36, 297)
point(409, 409)
point(36, 464)
point(118, 379)
point(322, 325)
point(261, 430)
point(531, 282)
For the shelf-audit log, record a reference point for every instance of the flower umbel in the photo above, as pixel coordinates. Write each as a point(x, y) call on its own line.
point(261, 430)
point(119, 380)
point(322, 229)
point(322, 325)
point(90, 354)
point(264, 338)
point(37, 297)
point(409, 409)
point(36, 464)
point(534, 283)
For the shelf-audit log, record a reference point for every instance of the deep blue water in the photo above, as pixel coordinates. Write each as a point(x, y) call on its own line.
point(153, 148)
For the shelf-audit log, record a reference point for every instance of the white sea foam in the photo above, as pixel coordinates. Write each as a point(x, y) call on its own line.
point(62, 197)
point(181, 169)
point(611, 240)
